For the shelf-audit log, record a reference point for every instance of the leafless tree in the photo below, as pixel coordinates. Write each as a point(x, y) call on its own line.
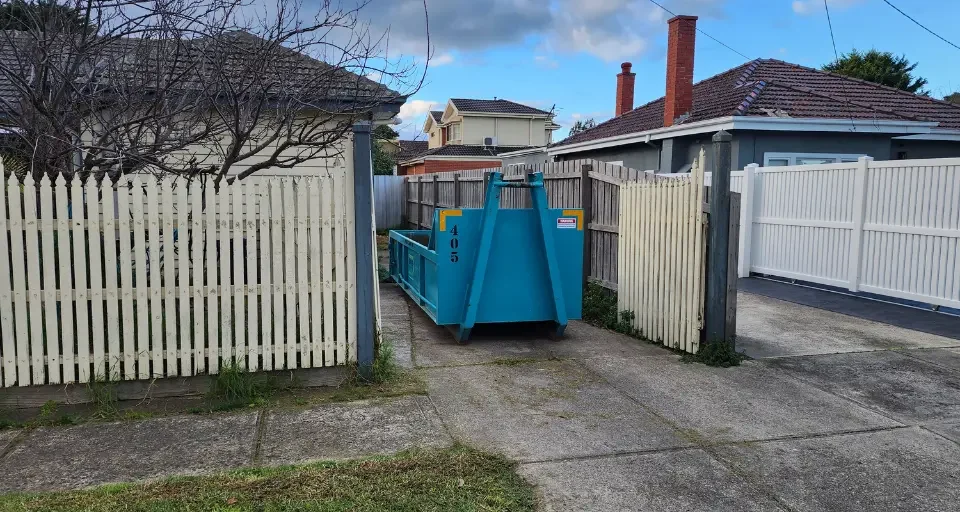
point(193, 88)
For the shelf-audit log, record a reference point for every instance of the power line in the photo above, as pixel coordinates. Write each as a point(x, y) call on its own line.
point(921, 25)
point(721, 43)
point(836, 55)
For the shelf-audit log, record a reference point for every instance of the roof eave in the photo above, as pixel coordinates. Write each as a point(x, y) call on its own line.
point(730, 123)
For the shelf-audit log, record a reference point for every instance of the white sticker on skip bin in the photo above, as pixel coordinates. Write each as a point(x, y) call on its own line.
point(567, 223)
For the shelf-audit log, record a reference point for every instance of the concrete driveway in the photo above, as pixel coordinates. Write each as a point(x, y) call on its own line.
point(836, 413)
point(839, 415)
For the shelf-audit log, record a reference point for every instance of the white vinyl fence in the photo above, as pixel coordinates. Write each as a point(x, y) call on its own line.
point(889, 228)
point(662, 258)
point(179, 282)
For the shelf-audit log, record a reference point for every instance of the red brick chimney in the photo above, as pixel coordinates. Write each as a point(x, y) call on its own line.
point(680, 51)
point(625, 81)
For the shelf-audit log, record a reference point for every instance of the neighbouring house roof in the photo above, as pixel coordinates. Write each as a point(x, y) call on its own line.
point(232, 50)
point(773, 88)
point(462, 150)
point(410, 149)
point(495, 107)
point(437, 114)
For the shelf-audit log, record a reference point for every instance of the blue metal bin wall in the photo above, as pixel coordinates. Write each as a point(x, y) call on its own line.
point(437, 268)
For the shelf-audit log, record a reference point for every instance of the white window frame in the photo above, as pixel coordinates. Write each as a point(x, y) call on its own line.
point(791, 158)
point(454, 127)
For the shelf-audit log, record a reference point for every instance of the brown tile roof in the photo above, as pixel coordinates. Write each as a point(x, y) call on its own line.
point(410, 149)
point(466, 150)
point(768, 87)
point(231, 50)
point(495, 107)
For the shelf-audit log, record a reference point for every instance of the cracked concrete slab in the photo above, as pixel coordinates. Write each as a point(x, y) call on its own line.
point(339, 431)
point(733, 404)
point(769, 327)
point(946, 357)
point(895, 470)
point(543, 410)
point(435, 346)
point(395, 328)
point(583, 340)
point(656, 482)
point(73, 457)
point(950, 430)
point(895, 384)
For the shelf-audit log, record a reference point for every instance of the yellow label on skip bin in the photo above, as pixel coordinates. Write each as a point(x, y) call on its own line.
point(448, 213)
point(575, 213)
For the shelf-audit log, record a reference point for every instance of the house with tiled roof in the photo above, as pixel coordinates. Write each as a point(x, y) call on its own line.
point(778, 113)
point(473, 133)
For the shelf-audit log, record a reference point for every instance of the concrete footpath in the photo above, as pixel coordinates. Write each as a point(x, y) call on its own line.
point(599, 421)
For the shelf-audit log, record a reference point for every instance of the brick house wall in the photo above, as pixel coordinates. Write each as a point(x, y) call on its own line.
point(458, 165)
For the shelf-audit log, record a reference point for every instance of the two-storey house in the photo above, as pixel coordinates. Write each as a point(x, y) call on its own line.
point(470, 134)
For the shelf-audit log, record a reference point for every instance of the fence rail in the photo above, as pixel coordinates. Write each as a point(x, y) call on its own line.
point(563, 181)
point(179, 282)
point(889, 228)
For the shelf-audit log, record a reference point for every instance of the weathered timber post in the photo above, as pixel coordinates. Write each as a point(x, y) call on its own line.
point(586, 204)
point(436, 196)
point(456, 190)
point(715, 309)
point(363, 229)
point(419, 201)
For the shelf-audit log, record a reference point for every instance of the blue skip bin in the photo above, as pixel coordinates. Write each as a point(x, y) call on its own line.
point(487, 265)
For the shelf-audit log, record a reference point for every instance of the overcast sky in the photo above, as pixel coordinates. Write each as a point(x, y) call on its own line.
point(564, 54)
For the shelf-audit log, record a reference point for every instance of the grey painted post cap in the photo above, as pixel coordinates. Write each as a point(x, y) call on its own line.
point(722, 136)
point(362, 127)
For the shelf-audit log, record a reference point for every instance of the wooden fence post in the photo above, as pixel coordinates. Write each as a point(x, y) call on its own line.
point(436, 196)
point(715, 309)
point(586, 204)
point(856, 239)
point(747, 191)
point(365, 257)
point(483, 193)
point(456, 190)
point(419, 201)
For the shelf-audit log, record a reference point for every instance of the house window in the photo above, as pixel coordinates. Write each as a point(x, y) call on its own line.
point(454, 132)
point(782, 159)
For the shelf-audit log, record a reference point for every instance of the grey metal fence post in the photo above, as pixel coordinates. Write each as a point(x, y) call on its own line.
point(366, 285)
point(718, 240)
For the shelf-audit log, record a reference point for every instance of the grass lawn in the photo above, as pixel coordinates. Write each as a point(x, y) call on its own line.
point(455, 479)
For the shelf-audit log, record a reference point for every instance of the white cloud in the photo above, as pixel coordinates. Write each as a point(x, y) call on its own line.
point(608, 29)
point(417, 108)
point(442, 60)
point(804, 7)
point(545, 61)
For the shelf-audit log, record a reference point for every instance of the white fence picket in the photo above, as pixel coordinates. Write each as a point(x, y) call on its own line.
point(211, 238)
point(226, 280)
point(66, 287)
point(8, 342)
point(150, 347)
point(264, 253)
point(290, 280)
point(168, 263)
point(320, 347)
point(129, 293)
point(51, 338)
point(280, 289)
point(250, 290)
point(97, 295)
point(32, 233)
point(19, 275)
point(182, 245)
point(303, 282)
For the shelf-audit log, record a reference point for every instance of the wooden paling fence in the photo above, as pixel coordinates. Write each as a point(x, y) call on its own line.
point(388, 201)
point(181, 280)
point(564, 182)
point(662, 254)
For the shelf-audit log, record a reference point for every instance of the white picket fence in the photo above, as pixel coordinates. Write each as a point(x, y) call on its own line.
point(662, 253)
point(180, 281)
point(889, 228)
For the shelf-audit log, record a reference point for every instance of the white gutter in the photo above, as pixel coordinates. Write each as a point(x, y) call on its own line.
point(752, 123)
point(521, 152)
point(953, 135)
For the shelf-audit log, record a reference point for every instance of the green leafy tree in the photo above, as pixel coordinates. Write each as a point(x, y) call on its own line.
point(953, 98)
point(582, 125)
point(883, 68)
point(383, 161)
point(39, 15)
